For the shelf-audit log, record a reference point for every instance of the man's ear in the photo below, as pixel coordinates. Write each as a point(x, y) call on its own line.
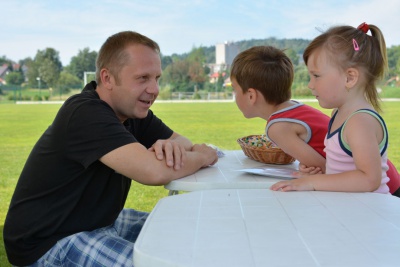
point(106, 78)
point(252, 95)
point(352, 76)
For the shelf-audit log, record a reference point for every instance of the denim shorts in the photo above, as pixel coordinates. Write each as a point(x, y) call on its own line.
point(107, 246)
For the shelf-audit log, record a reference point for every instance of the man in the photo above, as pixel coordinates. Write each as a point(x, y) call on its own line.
point(67, 208)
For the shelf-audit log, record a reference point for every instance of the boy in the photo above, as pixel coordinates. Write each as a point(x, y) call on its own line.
point(261, 78)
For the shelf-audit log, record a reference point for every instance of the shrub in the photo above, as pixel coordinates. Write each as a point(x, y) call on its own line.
point(37, 98)
point(196, 95)
point(301, 91)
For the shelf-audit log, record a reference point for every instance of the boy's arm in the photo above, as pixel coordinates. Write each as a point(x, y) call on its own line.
point(287, 136)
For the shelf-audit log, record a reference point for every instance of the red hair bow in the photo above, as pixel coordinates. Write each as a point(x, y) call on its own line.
point(364, 27)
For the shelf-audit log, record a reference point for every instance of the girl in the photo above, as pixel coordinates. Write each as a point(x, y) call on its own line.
point(344, 64)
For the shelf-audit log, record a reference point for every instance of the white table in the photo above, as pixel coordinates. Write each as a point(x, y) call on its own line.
point(259, 227)
point(225, 175)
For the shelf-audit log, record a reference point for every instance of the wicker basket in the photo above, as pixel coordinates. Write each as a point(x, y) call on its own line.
point(258, 148)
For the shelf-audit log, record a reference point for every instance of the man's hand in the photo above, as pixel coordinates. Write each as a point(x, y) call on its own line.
point(173, 152)
point(211, 156)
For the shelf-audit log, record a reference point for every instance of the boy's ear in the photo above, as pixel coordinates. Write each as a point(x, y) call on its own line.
point(252, 95)
point(352, 75)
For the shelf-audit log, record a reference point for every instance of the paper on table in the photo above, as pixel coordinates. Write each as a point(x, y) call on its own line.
point(283, 173)
point(220, 153)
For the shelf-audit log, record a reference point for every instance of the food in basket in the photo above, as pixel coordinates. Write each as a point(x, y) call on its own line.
point(258, 141)
point(259, 148)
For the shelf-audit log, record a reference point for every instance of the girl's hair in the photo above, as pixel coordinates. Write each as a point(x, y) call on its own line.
point(350, 47)
point(266, 69)
point(113, 55)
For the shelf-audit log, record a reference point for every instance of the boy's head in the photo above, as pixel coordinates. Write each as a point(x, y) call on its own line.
point(265, 69)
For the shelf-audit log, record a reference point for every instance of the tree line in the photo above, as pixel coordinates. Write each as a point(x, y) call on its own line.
point(188, 72)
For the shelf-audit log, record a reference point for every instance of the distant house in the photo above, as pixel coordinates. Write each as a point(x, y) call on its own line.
point(24, 69)
point(4, 70)
point(225, 53)
point(214, 76)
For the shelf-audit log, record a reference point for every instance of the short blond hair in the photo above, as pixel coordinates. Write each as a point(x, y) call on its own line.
point(113, 55)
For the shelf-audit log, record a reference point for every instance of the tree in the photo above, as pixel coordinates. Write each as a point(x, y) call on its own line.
point(68, 81)
point(393, 54)
point(177, 76)
point(294, 57)
point(166, 61)
point(84, 61)
point(196, 61)
point(301, 76)
point(4, 60)
point(14, 78)
point(47, 66)
point(25, 61)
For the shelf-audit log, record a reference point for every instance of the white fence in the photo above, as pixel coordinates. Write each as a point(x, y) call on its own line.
point(198, 96)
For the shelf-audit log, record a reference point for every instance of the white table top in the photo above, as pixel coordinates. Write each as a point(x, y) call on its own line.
point(224, 175)
point(258, 227)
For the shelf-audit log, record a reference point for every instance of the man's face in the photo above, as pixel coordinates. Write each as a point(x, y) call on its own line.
point(137, 87)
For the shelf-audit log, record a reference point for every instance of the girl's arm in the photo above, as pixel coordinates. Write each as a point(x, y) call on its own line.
point(363, 133)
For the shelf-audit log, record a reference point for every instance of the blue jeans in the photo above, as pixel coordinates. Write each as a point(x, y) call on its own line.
point(107, 246)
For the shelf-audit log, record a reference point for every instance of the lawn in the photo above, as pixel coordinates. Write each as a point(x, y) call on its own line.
point(213, 123)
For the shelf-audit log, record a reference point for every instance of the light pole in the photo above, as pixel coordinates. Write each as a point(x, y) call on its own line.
point(40, 91)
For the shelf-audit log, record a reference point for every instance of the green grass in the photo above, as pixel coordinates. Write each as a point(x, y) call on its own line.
point(390, 92)
point(214, 123)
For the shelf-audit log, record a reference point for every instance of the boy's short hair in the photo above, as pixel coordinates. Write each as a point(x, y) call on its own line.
point(266, 69)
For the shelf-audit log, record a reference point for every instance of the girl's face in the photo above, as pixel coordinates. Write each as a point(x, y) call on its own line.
point(327, 81)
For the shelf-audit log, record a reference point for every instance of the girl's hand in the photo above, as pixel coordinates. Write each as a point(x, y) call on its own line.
point(300, 184)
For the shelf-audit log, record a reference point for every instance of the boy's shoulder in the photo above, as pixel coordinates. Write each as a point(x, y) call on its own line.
point(300, 110)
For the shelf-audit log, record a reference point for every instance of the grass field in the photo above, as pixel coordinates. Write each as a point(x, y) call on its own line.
point(214, 123)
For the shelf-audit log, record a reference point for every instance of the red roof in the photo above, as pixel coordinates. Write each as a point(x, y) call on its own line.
point(216, 75)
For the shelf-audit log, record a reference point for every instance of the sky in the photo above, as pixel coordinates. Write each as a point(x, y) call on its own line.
point(69, 26)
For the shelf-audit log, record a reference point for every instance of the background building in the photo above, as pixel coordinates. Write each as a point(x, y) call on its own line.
point(224, 55)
